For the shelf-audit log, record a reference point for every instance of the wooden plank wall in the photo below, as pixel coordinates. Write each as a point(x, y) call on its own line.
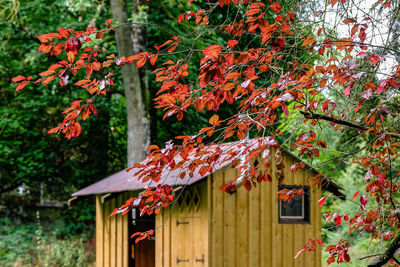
point(190, 240)
point(244, 228)
point(111, 233)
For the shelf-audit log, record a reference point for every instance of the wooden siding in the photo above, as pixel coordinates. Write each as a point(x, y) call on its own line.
point(111, 233)
point(239, 229)
point(181, 235)
point(244, 228)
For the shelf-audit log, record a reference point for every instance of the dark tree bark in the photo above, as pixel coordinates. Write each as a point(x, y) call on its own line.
point(131, 40)
point(390, 250)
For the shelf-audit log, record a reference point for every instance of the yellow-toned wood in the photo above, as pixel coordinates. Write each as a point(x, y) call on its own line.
point(125, 234)
point(242, 227)
point(287, 229)
point(99, 232)
point(230, 234)
point(210, 209)
point(277, 244)
point(266, 224)
point(107, 241)
point(196, 252)
point(167, 238)
point(159, 239)
point(113, 234)
point(217, 229)
point(254, 226)
point(119, 221)
point(317, 226)
point(203, 230)
point(239, 229)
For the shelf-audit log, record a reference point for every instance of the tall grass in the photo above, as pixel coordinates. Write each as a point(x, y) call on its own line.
point(39, 245)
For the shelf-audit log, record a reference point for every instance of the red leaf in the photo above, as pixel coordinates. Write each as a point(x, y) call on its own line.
point(285, 109)
point(355, 194)
point(381, 87)
point(321, 201)
point(300, 252)
point(321, 143)
point(308, 41)
point(181, 16)
point(152, 147)
point(85, 114)
point(212, 51)
point(140, 63)
point(232, 43)
point(18, 78)
point(21, 85)
point(108, 23)
point(99, 34)
point(347, 90)
point(63, 32)
point(71, 56)
point(276, 7)
point(46, 73)
point(53, 130)
point(363, 201)
point(246, 183)
point(338, 220)
point(81, 82)
point(348, 21)
point(214, 120)
point(153, 59)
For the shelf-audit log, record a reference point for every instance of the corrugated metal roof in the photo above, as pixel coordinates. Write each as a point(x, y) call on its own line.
point(126, 181)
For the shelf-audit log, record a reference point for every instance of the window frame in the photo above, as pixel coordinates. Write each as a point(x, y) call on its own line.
point(305, 219)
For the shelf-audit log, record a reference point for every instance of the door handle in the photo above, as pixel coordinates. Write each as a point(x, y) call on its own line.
point(178, 260)
point(178, 223)
point(200, 260)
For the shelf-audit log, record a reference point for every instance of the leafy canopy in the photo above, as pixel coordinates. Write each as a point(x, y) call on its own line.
point(294, 81)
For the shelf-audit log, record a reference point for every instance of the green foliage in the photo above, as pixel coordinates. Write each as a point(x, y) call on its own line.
point(37, 244)
point(27, 153)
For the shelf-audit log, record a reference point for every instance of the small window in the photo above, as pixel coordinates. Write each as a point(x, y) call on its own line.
point(296, 210)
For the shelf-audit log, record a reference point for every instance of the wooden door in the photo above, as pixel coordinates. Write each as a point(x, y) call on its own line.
point(141, 254)
point(188, 235)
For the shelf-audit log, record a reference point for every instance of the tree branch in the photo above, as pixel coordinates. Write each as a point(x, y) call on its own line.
point(391, 249)
point(316, 116)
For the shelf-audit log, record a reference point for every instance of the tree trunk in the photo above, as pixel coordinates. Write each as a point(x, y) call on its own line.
point(135, 84)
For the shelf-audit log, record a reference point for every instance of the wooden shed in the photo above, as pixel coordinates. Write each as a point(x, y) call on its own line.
point(208, 227)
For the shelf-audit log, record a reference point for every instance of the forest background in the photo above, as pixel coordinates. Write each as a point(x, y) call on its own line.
point(38, 171)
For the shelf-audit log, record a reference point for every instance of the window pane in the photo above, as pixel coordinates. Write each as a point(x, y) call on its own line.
point(293, 208)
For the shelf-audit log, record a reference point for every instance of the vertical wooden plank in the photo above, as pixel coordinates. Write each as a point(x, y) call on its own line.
point(317, 225)
point(99, 232)
point(178, 244)
point(204, 223)
point(277, 244)
point(299, 229)
point(160, 239)
point(266, 224)
point(199, 230)
point(263, 226)
point(167, 250)
point(210, 209)
point(125, 235)
point(287, 229)
point(242, 227)
point(254, 226)
point(113, 233)
point(217, 220)
point(229, 214)
point(106, 251)
point(120, 233)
